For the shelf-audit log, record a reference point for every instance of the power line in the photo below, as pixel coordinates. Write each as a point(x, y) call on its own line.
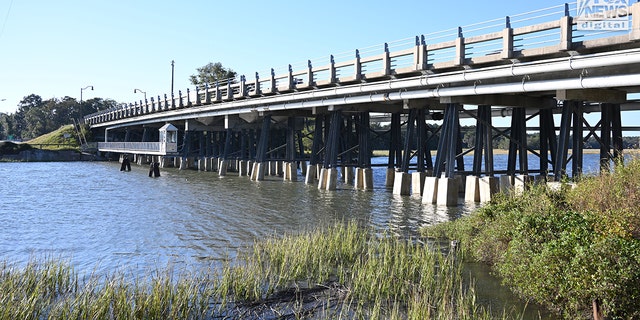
point(6, 17)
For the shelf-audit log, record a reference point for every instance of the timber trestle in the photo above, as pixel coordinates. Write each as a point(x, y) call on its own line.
point(430, 105)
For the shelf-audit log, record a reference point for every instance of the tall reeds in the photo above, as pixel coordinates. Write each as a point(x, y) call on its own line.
point(360, 276)
point(339, 272)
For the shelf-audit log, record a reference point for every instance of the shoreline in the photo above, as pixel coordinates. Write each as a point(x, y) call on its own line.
point(40, 155)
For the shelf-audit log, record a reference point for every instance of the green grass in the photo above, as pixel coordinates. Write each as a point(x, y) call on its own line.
point(64, 138)
point(567, 250)
point(341, 272)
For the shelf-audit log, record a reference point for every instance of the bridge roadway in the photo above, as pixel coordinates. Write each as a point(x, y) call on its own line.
point(534, 71)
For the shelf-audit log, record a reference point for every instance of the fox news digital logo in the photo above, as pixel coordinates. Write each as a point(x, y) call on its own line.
point(601, 15)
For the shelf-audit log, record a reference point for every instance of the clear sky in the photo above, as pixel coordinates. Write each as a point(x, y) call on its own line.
point(55, 48)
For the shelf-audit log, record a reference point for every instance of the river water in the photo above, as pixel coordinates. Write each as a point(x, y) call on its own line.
point(101, 219)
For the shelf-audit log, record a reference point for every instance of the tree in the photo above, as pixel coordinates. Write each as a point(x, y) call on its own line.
point(210, 73)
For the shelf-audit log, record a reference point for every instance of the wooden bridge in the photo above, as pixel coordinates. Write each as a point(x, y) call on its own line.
point(526, 67)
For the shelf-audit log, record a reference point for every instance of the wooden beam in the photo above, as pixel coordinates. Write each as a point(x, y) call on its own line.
point(503, 101)
point(593, 95)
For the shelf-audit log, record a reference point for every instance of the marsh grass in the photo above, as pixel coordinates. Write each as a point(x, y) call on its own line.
point(567, 250)
point(347, 273)
point(340, 272)
point(51, 289)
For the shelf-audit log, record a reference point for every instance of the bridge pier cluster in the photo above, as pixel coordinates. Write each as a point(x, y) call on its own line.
point(326, 119)
point(332, 147)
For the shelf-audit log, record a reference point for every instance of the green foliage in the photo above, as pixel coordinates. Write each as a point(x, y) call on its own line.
point(563, 249)
point(210, 73)
point(36, 117)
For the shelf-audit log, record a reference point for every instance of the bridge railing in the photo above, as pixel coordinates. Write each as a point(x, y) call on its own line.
point(148, 147)
point(538, 32)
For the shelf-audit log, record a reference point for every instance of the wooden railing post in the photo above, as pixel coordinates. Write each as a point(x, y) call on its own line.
point(386, 61)
point(460, 48)
point(357, 67)
point(420, 54)
point(243, 86)
point(566, 30)
point(229, 90)
point(207, 94)
point(290, 84)
point(309, 80)
point(273, 81)
point(217, 96)
point(256, 89)
point(332, 70)
point(507, 40)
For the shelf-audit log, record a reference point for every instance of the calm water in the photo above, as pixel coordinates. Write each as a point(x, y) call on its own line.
point(101, 219)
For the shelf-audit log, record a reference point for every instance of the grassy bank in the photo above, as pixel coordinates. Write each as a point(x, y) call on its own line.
point(65, 138)
point(576, 251)
point(340, 272)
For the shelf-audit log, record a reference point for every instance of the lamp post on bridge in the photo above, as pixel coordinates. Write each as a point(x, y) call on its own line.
point(82, 89)
point(145, 94)
point(172, 67)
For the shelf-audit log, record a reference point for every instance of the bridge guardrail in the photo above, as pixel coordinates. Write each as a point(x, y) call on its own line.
point(130, 146)
point(553, 30)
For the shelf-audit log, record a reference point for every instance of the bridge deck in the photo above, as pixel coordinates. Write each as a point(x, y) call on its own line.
point(532, 60)
point(517, 69)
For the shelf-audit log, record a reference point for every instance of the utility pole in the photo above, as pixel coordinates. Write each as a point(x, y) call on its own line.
point(172, 64)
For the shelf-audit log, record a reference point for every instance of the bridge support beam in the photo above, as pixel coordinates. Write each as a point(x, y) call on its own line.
point(548, 142)
point(395, 149)
point(186, 149)
point(328, 176)
point(560, 169)
point(483, 148)
point(402, 179)
point(611, 136)
point(316, 145)
point(447, 185)
point(424, 162)
point(517, 171)
point(260, 165)
point(290, 166)
point(363, 174)
point(224, 163)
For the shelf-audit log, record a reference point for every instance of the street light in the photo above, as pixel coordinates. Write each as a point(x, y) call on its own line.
point(138, 90)
point(82, 89)
point(172, 66)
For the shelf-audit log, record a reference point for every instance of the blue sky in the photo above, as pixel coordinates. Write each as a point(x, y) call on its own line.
point(54, 48)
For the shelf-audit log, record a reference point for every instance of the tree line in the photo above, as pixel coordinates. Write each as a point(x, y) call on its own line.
point(36, 116)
